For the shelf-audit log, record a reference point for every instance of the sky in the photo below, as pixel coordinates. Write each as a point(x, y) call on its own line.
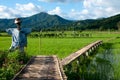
point(68, 9)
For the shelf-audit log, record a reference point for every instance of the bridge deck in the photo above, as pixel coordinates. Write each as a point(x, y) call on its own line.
point(73, 56)
point(49, 67)
point(42, 68)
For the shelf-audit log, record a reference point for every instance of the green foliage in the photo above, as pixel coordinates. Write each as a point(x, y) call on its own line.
point(36, 22)
point(3, 56)
point(94, 67)
point(110, 23)
point(22, 57)
point(46, 22)
point(12, 64)
point(90, 69)
point(68, 44)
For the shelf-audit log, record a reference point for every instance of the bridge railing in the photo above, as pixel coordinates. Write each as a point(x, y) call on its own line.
point(75, 65)
point(83, 51)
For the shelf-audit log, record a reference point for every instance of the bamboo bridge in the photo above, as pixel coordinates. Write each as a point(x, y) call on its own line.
point(50, 67)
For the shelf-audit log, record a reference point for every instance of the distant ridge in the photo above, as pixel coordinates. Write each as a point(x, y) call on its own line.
point(36, 22)
point(110, 23)
point(45, 21)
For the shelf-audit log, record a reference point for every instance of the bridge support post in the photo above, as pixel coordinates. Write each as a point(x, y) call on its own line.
point(78, 61)
point(68, 67)
point(87, 53)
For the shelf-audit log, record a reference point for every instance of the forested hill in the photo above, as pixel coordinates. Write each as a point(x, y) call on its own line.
point(45, 21)
point(112, 23)
point(36, 22)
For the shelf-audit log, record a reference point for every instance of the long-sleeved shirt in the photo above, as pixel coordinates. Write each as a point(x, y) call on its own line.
point(19, 37)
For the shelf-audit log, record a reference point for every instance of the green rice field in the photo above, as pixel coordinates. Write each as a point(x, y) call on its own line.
point(102, 61)
point(61, 47)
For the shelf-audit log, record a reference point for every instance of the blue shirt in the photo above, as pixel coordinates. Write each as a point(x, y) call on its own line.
point(19, 37)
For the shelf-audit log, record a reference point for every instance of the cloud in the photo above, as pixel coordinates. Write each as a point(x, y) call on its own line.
point(73, 14)
point(57, 10)
point(28, 9)
point(93, 9)
point(21, 10)
point(101, 8)
point(78, 15)
point(62, 1)
point(51, 0)
point(5, 12)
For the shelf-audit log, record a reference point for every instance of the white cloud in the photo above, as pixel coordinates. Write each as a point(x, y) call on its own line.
point(28, 9)
point(5, 12)
point(51, 0)
point(61, 0)
point(21, 10)
point(57, 11)
point(85, 11)
point(2, 8)
point(78, 15)
point(60, 12)
point(92, 9)
point(101, 8)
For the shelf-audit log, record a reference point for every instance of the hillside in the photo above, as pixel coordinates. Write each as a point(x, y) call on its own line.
point(45, 21)
point(112, 23)
point(36, 22)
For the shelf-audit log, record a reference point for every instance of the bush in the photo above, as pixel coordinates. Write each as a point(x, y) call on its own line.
point(3, 56)
point(11, 64)
point(22, 57)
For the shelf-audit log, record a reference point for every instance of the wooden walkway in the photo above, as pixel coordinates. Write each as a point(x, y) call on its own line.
point(42, 68)
point(75, 55)
point(49, 67)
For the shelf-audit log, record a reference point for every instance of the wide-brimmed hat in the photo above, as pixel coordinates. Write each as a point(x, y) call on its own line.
point(17, 20)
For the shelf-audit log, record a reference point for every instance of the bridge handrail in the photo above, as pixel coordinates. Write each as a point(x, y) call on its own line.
point(75, 55)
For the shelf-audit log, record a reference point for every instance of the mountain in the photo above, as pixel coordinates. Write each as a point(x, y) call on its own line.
point(36, 22)
point(45, 21)
point(112, 23)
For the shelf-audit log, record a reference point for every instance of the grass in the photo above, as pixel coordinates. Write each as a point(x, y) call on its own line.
point(62, 47)
point(10, 64)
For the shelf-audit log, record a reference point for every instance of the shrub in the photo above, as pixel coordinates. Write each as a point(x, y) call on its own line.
point(11, 64)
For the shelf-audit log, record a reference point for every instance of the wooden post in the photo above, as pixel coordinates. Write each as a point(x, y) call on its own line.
point(78, 60)
point(86, 54)
point(69, 67)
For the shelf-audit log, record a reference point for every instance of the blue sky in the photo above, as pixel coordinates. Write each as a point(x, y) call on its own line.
point(68, 9)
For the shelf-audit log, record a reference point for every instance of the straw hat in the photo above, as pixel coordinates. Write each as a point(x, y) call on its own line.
point(17, 20)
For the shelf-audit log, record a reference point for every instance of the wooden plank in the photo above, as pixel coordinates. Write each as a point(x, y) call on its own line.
point(42, 68)
point(73, 56)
